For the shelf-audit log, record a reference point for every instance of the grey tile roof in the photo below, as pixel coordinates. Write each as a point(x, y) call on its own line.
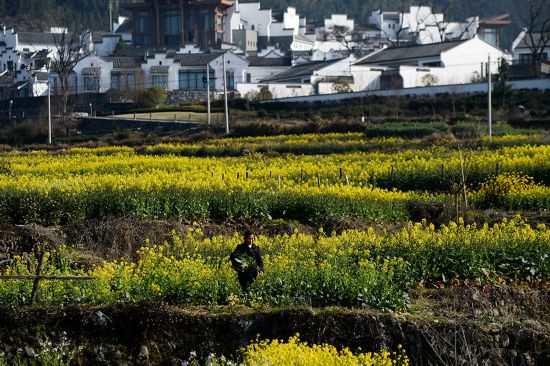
point(126, 27)
point(160, 69)
point(98, 36)
point(42, 76)
point(537, 40)
point(303, 38)
point(269, 61)
point(39, 38)
point(95, 71)
point(297, 72)
point(195, 59)
point(125, 62)
point(396, 55)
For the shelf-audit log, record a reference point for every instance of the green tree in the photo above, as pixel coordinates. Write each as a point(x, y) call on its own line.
point(152, 97)
point(264, 93)
point(503, 90)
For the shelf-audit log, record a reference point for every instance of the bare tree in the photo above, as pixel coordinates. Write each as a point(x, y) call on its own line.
point(70, 48)
point(400, 31)
point(341, 34)
point(446, 8)
point(537, 32)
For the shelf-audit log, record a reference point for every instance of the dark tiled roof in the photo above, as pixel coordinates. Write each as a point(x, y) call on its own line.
point(126, 27)
point(95, 71)
point(303, 38)
point(269, 61)
point(395, 55)
point(538, 40)
point(195, 59)
point(160, 69)
point(40, 38)
point(98, 36)
point(125, 62)
point(295, 73)
point(42, 76)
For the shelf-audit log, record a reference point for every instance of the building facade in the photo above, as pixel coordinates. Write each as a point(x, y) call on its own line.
point(171, 24)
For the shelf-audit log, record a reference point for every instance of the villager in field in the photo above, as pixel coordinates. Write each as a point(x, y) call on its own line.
point(247, 261)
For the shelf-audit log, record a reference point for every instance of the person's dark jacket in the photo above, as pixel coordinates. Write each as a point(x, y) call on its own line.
point(254, 252)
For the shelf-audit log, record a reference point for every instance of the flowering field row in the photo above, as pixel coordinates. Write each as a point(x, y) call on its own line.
point(355, 268)
point(295, 352)
point(48, 188)
point(323, 144)
point(407, 170)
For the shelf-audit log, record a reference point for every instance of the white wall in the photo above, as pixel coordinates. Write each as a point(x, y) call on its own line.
point(291, 20)
point(160, 59)
point(234, 63)
point(94, 61)
point(106, 45)
point(339, 20)
point(463, 61)
point(233, 21)
point(278, 90)
point(259, 18)
point(299, 45)
point(366, 77)
point(339, 68)
point(539, 84)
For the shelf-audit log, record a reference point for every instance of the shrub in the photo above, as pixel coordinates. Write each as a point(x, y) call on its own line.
point(152, 97)
point(495, 189)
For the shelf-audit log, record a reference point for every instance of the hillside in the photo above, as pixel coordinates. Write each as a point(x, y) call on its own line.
point(39, 15)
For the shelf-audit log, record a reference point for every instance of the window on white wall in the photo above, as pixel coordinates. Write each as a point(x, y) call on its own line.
point(160, 80)
point(91, 83)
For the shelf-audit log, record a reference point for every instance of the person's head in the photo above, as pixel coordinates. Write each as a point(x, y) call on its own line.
point(249, 237)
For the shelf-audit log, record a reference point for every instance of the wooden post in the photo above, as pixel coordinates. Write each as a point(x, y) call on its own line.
point(347, 180)
point(237, 175)
point(37, 278)
point(319, 180)
point(270, 174)
point(301, 175)
point(464, 193)
point(279, 180)
point(246, 175)
point(442, 170)
point(341, 173)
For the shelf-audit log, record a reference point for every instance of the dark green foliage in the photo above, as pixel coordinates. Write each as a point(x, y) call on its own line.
point(152, 97)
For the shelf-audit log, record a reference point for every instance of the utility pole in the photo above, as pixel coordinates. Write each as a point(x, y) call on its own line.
point(208, 92)
point(489, 99)
point(225, 97)
point(49, 113)
point(111, 16)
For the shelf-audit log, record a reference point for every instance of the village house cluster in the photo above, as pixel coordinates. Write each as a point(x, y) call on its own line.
point(171, 44)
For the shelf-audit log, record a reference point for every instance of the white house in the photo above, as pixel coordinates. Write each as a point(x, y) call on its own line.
point(256, 18)
point(191, 70)
point(104, 43)
point(446, 63)
point(92, 75)
point(420, 25)
point(525, 43)
point(304, 79)
point(263, 67)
